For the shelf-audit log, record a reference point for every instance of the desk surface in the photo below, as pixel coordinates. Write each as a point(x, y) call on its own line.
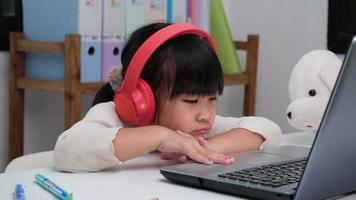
point(137, 179)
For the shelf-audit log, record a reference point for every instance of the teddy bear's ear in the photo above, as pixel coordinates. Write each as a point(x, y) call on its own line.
point(330, 71)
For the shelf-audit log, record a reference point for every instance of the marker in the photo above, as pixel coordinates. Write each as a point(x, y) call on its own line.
point(52, 187)
point(19, 192)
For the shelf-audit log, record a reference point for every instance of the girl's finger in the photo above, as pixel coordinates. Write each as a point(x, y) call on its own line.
point(215, 157)
point(203, 142)
point(182, 158)
point(219, 158)
point(197, 156)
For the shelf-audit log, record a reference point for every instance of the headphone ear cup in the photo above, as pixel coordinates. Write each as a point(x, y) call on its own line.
point(145, 104)
point(136, 108)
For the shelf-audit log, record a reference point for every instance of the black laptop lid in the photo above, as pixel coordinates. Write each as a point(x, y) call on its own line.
point(331, 169)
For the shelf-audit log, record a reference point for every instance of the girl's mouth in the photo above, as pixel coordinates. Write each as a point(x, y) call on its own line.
point(202, 131)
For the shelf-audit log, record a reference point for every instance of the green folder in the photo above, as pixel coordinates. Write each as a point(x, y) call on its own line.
point(221, 33)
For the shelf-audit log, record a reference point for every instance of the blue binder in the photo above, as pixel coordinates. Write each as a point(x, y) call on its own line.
point(51, 20)
point(134, 8)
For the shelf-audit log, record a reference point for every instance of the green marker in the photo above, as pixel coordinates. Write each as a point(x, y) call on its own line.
point(53, 188)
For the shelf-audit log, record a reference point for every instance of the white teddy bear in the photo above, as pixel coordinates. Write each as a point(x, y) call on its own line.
point(310, 86)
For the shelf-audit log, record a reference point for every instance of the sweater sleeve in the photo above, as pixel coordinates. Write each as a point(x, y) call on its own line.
point(269, 130)
point(87, 145)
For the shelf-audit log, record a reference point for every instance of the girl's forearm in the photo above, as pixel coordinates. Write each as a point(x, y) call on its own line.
point(133, 142)
point(130, 143)
point(235, 141)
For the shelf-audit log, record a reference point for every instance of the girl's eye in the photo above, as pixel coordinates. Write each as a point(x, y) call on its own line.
point(213, 98)
point(190, 100)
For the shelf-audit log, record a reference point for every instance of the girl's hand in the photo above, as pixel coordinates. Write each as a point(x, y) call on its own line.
point(174, 156)
point(205, 144)
point(187, 145)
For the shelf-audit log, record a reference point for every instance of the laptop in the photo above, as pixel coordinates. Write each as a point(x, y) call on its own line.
point(327, 170)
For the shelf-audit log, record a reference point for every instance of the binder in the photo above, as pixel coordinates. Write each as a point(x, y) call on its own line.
point(155, 11)
point(177, 11)
point(141, 12)
point(51, 20)
point(135, 15)
point(90, 28)
point(203, 18)
point(200, 13)
point(193, 9)
point(113, 31)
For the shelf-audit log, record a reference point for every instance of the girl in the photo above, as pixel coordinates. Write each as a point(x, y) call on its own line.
point(185, 77)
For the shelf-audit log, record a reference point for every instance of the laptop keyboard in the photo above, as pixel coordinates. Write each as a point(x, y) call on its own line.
point(274, 175)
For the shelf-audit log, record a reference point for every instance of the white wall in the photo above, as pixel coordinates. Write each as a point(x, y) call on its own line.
point(287, 30)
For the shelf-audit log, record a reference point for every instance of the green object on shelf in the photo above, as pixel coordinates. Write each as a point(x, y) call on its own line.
point(221, 33)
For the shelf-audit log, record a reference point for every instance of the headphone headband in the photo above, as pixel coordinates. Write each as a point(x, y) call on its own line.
point(145, 51)
point(134, 101)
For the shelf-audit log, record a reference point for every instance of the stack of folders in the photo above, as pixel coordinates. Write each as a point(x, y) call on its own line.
point(103, 26)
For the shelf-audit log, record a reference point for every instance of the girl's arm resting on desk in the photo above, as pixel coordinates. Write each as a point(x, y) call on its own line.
point(235, 140)
point(87, 145)
point(232, 135)
point(133, 142)
point(98, 142)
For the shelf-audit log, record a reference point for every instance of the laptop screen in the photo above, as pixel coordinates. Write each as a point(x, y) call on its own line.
point(330, 170)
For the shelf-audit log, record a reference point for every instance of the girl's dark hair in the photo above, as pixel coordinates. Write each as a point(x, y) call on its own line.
point(183, 65)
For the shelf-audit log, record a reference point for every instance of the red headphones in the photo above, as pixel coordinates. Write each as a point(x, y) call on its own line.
point(135, 101)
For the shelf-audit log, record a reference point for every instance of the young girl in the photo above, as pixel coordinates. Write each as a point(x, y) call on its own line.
point(185, 77)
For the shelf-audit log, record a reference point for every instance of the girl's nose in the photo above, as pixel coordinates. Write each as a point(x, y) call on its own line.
point(204, 117)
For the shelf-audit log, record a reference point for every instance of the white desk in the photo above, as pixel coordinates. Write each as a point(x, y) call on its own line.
point(137, 179)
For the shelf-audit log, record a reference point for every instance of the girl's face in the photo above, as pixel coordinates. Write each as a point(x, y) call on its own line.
point(188, 113)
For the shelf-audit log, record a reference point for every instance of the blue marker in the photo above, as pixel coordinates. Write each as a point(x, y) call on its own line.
point(19, 192)
point(52, 187)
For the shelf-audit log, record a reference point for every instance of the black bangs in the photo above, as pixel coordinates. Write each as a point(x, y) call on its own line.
point(198, 70)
